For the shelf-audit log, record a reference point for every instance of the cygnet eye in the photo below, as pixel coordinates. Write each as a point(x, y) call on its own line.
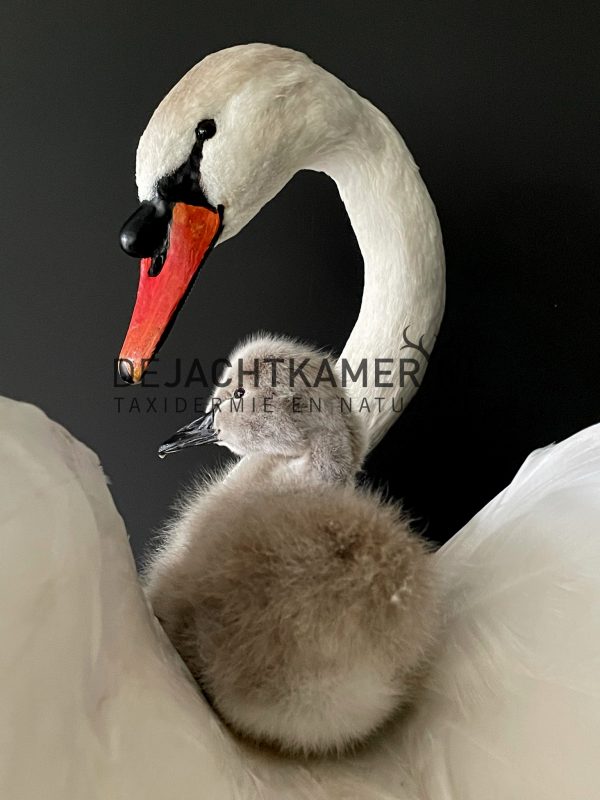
point(239, 393)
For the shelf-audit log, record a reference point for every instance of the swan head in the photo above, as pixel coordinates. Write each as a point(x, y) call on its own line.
point(278, 397)
point(222, 143)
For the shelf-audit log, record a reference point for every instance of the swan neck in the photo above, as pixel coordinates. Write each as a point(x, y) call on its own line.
point(399, 236)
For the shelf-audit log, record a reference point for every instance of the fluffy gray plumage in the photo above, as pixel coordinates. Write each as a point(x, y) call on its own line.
point(303, 605)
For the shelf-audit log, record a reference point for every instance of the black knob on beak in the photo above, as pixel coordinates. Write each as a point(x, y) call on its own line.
point(146, 230)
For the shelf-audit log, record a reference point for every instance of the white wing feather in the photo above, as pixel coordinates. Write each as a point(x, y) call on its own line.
point(94, 703)
point(512, 709)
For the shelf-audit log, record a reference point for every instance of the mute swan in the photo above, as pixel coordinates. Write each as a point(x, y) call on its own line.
point(304, 607)
point(95, 703)
point(222, 143)
point(219, 146)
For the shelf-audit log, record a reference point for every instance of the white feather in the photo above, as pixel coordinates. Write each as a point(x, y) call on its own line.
point(276, 113)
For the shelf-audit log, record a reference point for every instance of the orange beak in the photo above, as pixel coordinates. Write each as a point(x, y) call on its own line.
point(193, 232)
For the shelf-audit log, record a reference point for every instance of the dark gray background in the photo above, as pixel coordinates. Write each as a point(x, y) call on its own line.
point(498, 102)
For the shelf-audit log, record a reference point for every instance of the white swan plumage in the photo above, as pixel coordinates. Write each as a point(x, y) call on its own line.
point(275, 112)
point(94, 701)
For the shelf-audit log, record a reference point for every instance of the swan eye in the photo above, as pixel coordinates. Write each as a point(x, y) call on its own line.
point(239, 393)
point(205, 130)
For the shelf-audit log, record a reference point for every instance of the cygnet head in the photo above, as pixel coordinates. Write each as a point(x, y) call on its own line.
point(279, 397)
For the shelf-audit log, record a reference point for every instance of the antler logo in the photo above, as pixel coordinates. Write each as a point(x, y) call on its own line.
point(413, 345)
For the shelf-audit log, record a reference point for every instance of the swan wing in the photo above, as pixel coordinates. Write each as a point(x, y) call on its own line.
point(512, 707)
point(94, 703)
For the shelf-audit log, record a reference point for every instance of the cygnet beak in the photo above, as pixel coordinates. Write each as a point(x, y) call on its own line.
point(200, 431)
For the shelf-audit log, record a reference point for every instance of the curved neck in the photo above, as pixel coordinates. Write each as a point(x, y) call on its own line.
point(399, 236)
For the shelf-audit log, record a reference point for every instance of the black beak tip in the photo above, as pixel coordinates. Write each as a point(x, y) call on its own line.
point(171, 445)
point(125, 371)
